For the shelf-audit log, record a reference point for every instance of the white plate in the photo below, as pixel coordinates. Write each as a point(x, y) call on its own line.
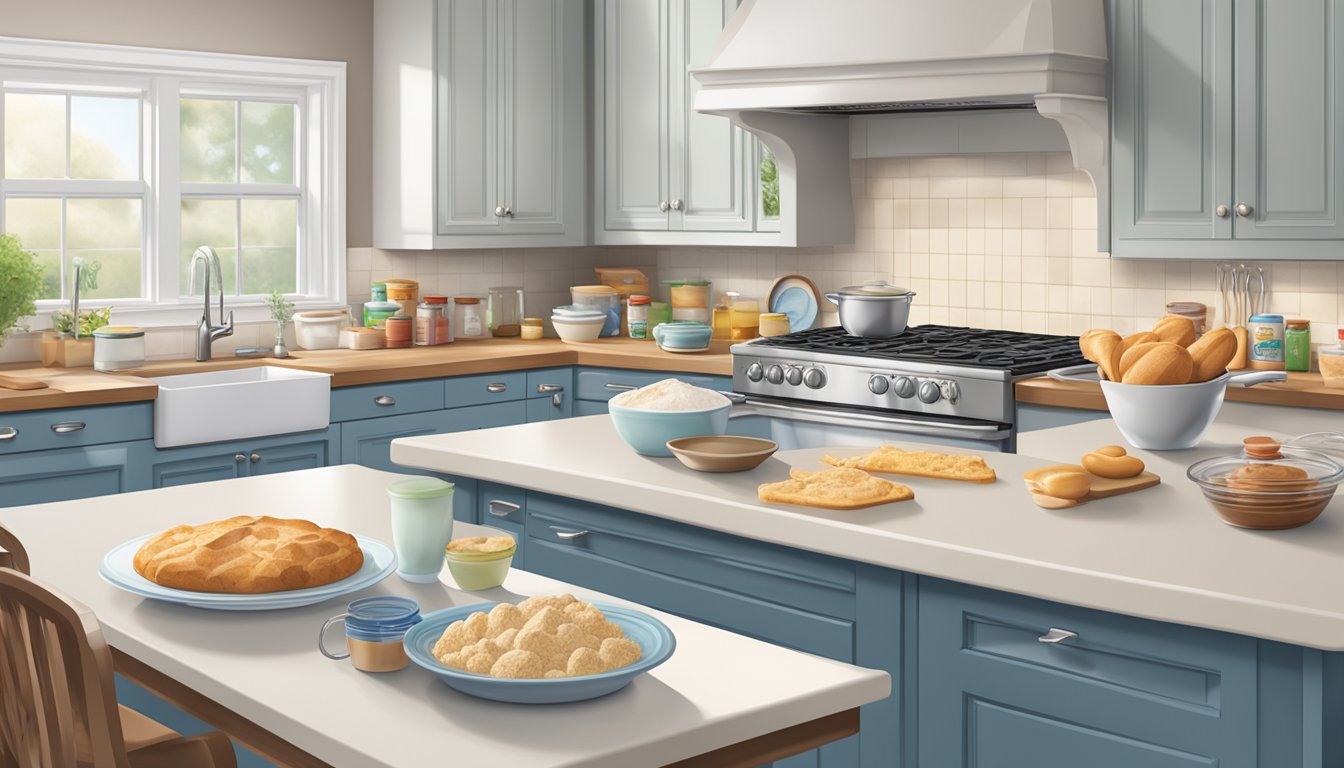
point(118, 569)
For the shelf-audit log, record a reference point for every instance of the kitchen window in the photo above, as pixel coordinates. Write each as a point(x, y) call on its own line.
point(128, 159)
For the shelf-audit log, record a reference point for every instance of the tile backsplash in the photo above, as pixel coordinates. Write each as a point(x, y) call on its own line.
point(999, 241)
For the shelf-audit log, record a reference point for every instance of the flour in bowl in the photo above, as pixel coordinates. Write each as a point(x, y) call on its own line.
point(670, 395)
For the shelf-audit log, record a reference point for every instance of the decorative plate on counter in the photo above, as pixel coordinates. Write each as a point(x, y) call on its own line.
point(795, 297)
point(655, 640)
point(118, 569)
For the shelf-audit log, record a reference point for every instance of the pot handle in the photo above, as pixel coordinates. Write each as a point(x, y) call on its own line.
point(1252, 378)
point(834, 298)
point(1076, 373)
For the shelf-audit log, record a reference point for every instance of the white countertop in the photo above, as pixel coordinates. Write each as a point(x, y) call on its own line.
point(717, 689)
point(1162, 553)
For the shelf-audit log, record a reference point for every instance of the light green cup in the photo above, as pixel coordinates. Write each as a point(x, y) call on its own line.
point(422, 526)
point(479, 570)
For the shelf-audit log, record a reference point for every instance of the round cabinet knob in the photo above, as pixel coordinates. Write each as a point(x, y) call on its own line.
point(1244, 210)
point(676, 205)
point(905, 386)
point(240, 458)
point(794, 375)
point(664, 206)
point(1221, 211)
point(774, 374)
point(499, 210)
point(929, 392)
point(255, 457)
point(814, 378)
point(755, 372)
point(878, 385)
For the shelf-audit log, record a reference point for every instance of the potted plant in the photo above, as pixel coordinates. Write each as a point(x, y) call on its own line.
point(282, 312)
point(69, 343)
point(20, 285)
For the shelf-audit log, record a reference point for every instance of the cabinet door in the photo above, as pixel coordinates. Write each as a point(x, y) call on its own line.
point(1172, 112)
point(197, 464)
point(468, 128)
point(710, 155)
point(288, 455)
point(541, 114)
point(549, 408)
point(486, 416)
point(1289, 72)
point(632, 93)
point(72, 473)
point(368, 442)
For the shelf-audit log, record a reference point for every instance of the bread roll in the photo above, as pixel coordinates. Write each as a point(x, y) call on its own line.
point(1102, 347)
point(1142, 337)
point(1176, 329)
point(1212, 353)
point(1112, 462)
point(1061, 481)
point(248, 555)
point(1157, 363)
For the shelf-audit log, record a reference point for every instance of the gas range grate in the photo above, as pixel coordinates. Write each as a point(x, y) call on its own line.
point(1018, 353)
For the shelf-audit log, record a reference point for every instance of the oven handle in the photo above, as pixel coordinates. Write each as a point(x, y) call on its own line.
point(744, 406)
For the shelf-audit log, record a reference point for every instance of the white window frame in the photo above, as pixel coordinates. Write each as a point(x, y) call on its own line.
point(165, 76)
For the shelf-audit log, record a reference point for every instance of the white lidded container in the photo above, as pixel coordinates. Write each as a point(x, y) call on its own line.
point(118, 347)
point(320, 329)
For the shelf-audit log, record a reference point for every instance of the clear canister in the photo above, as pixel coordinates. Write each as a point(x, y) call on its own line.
point(506, 311)
point(431, 324)
point(637, 317)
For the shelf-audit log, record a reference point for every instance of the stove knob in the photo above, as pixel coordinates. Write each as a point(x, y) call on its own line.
point(905, 386)
point(929, 392)
point(951, 391)
point(794, 375)
point(774, 374)
point(755, 372)
point(814, 378)
point(878, 385)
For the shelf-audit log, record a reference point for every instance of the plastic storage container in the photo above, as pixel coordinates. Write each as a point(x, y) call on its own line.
point(1265, 342)
point(319, 329)
point(405, 293)
point(377, 312)
point(469, 318)
point(1331, 362)
point(637, 317)
point(118, 347)
point(1297, 345)
point(1268, 486)
point(480, 562)
point(533, 329)
point(431, 322)
point(602, 298)
point(422, 526)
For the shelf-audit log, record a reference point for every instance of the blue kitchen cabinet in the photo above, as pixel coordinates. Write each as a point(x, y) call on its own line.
point(503, 507)
point(593, 387)
point(368, 442)
point(243, 458)
point(550, 394)
point(73, 473)
point(396, 398)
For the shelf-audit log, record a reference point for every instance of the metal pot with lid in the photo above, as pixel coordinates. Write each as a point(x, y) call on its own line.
point(876, 308)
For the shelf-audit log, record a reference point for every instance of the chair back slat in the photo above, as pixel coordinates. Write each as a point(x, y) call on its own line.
point(14, 555)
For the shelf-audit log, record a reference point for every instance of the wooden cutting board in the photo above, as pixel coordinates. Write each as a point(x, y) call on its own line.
point(1103, 487)
point(15, 382)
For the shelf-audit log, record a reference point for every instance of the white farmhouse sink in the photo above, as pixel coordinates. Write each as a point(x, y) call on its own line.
point(230, 405)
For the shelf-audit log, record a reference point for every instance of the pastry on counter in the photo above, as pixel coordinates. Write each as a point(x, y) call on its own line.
point(890, 460)
point(834, 488)
point(248, 555)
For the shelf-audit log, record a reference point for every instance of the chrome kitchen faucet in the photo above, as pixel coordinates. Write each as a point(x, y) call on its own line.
point(206, 331)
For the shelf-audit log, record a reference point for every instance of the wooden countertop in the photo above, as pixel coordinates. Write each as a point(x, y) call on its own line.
point(1301, 390)
point(68, 387)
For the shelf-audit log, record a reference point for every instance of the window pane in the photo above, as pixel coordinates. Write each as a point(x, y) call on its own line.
point(270, 239)
point(37, 223)
point(106, 235)
point(34, 136)
point(104, 138)
point(213, 223)
point(268, 143)
point(769, 185)
point(208, 140)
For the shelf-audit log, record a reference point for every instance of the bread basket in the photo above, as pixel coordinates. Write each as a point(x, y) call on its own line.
point(1164, 417)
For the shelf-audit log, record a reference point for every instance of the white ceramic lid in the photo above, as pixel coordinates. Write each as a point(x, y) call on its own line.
point(876, 288)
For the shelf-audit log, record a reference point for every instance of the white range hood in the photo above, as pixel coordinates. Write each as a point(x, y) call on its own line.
point(791, 70)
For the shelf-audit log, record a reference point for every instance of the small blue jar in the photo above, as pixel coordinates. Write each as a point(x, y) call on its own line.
point(374, 629)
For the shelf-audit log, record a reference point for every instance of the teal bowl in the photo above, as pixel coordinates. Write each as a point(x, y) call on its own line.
point(656, 643)
point(648, 431)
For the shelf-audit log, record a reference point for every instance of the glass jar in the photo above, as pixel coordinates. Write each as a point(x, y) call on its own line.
point(1297, 345)
point(469, 318)
point(722, 324)
point(431, 324)
point(637, 317)
point(659, 312)
point(506, 311)
point(744, 316)
point(602, 298)
point(1331, 362)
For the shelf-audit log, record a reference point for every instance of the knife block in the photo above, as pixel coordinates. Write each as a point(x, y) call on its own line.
point(62, 351)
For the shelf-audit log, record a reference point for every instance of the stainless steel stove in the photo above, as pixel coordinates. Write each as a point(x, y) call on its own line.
point(953, 384)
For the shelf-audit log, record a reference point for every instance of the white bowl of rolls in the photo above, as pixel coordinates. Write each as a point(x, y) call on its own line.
point(1163, 387)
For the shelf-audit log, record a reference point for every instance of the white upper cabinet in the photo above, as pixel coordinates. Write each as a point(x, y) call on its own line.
point(479, 135)
point(666, 173)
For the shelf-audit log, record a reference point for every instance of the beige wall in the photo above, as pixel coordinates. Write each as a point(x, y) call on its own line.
point(333, 30)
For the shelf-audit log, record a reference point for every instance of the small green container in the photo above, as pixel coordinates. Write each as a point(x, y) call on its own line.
point(1297, 345)
point(476, 571)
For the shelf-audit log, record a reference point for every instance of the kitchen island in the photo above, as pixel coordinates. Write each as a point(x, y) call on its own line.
point(1180, 632)
point(259, 675)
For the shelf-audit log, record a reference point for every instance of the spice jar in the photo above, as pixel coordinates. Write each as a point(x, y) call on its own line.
point(532, 329)
point(637, 317)
point(431, 324)
point(400, 331)
point(404, 293)
point(469, 318)
point(1297, 345)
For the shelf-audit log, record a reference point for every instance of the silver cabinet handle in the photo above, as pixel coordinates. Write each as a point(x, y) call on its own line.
point(255, 457)
point(676, 205)
point(496, 387)
point(620, 387)
point(558, 400)
point(1244, 210)
point(499, 210)
point(239, 458)
point(1055, 636)
point(8, 433)
point(546, 389)
point(500, 508)
point(1222, 211)
point(664, 206)
point(63, 427)
point(567, 535)
point(384, 400)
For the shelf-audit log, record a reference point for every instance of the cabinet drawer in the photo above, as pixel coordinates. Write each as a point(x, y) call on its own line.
point(504, 508)
point(73, 427)
point(791, 577)
point(392, 399)
point(73, 473)
point(603, 384)
point(489, 388)
point(541, 383)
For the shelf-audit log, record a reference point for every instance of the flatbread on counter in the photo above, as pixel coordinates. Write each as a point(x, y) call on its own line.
point(835, 488)
point(890, 460)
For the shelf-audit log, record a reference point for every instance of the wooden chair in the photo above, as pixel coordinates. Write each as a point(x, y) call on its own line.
point(58, 706)
point(14, 555)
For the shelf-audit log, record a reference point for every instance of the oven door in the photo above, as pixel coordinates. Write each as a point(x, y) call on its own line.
point(795, 425)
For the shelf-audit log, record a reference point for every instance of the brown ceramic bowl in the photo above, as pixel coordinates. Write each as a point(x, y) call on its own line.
point(722, 453)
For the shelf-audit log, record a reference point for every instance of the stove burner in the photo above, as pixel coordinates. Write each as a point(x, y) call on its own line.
point(1018, 353)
